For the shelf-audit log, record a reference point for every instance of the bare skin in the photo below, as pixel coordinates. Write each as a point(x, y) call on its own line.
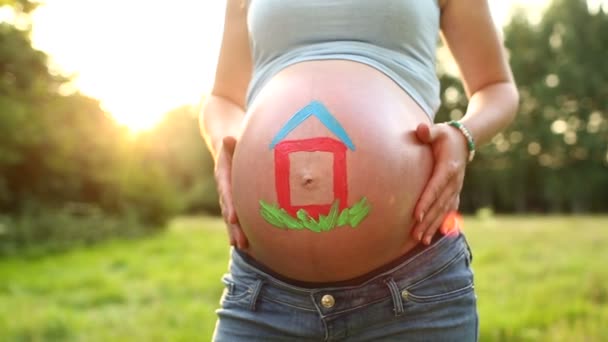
point(388, 167)
point(493, 98)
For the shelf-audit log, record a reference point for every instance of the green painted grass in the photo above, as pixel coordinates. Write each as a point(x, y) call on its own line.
point(351, 217)
point(537, 279)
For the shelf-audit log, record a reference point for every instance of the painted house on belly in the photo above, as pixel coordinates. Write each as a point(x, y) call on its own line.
point(337, 148)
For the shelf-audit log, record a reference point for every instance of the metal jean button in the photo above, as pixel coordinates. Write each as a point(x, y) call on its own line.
point(404, 294)
point(328, 301)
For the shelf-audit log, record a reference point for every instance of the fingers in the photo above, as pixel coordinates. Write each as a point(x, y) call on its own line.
point(225, 199)
point(223, 175)
point(228, 144)
point(425, 230)
point(426, 134)
point(440, 197)
point(433, 227)
point(453, 223)
point(224, 179)
point(237, 234)
point(443, 173)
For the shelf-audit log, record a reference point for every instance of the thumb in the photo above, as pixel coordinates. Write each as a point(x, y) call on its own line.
point(426, 134)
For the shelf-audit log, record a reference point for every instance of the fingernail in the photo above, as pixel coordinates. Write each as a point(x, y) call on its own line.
point(427, 240)
point(421, 217)
point(419, 237)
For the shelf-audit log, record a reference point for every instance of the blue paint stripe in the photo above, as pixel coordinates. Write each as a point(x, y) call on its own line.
point(317, 109)
point(294, 122)
point(332, 124)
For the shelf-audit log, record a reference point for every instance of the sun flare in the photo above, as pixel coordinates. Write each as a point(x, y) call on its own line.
point(139, 58)
point(143, 58)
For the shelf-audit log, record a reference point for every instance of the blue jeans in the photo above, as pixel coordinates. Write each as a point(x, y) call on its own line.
point(428, 297)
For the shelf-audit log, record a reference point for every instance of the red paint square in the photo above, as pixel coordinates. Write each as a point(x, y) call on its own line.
point(282, 172)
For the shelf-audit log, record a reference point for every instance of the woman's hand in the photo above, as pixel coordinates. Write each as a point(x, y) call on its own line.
point(441, 194)
point(223, 178)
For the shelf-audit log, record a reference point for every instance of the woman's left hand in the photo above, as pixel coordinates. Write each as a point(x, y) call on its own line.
point(441, 194)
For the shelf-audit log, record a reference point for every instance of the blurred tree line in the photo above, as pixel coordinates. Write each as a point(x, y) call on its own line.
point(69, 174)
point(554, 158)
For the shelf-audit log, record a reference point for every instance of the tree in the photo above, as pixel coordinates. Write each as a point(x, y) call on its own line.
point(554, 157)
point(63, 159)
point(176, 144)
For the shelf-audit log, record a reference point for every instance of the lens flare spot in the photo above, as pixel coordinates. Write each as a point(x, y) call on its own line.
point(453, 224)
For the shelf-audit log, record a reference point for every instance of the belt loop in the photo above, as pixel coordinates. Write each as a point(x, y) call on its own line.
point(257, 287)
point(397, 302)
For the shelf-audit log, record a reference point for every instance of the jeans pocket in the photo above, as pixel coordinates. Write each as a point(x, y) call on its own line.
point(452, 280)
point(235, 291)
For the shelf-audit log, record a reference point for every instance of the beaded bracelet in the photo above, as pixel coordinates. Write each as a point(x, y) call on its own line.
point(467, 134)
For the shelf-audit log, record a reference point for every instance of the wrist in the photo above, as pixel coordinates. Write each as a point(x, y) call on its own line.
point(470, 141)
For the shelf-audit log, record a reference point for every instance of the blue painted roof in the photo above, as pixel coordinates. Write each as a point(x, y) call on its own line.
point(318, 110)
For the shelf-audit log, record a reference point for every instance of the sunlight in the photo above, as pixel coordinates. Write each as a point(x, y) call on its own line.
point(140, 58)
point(501, 10)
point(144, 58)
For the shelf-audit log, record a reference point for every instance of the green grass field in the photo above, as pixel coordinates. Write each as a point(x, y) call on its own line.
point(537, 279)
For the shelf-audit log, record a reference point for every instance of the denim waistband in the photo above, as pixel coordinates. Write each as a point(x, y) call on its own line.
point(407, 274)
point(349, 282)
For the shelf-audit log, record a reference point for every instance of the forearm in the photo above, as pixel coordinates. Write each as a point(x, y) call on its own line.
point(219, 118)
point(491, 109)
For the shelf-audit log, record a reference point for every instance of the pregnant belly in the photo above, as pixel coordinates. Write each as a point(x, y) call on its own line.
point(327, 171)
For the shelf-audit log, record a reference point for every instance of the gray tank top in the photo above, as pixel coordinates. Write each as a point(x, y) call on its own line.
point(396, 37)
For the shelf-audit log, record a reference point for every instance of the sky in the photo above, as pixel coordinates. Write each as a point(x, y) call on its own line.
point(144, 58)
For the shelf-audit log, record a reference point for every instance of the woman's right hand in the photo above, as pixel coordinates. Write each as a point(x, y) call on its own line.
point(223, 178)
